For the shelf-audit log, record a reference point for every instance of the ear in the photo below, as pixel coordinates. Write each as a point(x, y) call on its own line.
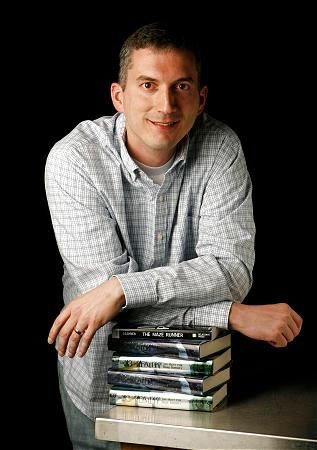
point(202, 99)
point(117, 96)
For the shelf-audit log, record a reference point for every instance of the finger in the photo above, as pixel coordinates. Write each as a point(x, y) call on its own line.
point(280, 341)
point(86, 340)
point(57, 325)
point(288, 334)
point(298, 320)
point(74, 341)
point(64, 335)
point(295, 329)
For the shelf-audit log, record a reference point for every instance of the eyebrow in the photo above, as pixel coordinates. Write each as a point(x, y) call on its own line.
point(179, 80)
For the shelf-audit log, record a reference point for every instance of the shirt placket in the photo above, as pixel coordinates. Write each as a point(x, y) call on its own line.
point(160, 229)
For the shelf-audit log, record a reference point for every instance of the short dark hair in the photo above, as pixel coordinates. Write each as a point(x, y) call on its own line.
point(160, 36)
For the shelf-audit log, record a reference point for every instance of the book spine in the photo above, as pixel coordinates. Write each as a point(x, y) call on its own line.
point(156, 365)
point(193, 386)
point(148, 347)
point(122, 333)
point(167, 400)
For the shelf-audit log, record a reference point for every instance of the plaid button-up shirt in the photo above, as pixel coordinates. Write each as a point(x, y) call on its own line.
point(183, 251)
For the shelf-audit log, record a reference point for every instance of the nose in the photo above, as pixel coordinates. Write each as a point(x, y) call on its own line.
point(166, 101)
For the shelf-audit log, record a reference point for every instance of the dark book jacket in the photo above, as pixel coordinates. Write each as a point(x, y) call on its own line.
point(146, 332)
point(198, 385)
point(190, 349)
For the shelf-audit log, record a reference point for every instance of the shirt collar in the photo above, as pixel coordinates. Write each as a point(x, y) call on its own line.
point(128, 162)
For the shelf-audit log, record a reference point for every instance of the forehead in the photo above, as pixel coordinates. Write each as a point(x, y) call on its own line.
point(156, 63)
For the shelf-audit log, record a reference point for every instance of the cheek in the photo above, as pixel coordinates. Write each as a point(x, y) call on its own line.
point(190, 104)
point(136, 108)
point(142, 103)
point(134, 101)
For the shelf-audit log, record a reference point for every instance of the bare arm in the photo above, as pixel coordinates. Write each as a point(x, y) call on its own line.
point(278, 324)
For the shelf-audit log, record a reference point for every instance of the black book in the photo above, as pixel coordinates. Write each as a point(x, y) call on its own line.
point(197, 385)
point(166, 333)
point(186, 349)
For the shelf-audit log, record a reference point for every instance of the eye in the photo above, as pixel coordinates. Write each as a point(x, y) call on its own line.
point(147, 85)
point(183, 86)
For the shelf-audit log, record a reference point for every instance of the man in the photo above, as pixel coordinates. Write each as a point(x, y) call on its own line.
point(152, 212)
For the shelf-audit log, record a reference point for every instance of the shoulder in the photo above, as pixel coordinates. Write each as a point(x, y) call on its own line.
point(88, 141)
point(211, 134)
point(213, 145)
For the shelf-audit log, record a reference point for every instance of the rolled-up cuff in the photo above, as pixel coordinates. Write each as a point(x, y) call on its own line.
point(215, 314)
point(139, 289)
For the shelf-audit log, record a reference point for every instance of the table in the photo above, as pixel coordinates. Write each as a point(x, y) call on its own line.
point(280, 417)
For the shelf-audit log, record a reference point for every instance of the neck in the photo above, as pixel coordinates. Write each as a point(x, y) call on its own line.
point(152, 160)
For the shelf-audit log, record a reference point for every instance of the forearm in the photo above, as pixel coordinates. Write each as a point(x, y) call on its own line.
point(215, 314)
point(195, 283)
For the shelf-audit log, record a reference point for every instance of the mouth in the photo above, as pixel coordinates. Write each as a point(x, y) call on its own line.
point(166, 124)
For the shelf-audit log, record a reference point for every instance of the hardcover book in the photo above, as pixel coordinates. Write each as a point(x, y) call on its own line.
point(168, 400)
point(145, 332)
point(198, 385)
point(166, 364)
point(190, 349)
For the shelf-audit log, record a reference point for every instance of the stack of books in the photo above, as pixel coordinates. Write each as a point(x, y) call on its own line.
point(169, 368)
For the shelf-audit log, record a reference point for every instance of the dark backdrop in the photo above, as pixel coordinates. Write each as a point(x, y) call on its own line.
point(259, 76)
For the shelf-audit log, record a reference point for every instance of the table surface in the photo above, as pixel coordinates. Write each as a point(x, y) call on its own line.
point(280, 417)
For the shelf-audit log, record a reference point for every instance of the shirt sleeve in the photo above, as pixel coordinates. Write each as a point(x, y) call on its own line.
point(222, 270)
point(215, 314)
point(86, 234)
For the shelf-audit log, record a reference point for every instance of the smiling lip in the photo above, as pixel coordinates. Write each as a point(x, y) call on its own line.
point(164, 124)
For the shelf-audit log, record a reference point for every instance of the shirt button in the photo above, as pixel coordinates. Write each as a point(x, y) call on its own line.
point(159, 236)
point(162, 198)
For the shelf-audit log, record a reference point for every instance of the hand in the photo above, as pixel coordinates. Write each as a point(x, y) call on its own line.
point(277, 324)
point(82, 317)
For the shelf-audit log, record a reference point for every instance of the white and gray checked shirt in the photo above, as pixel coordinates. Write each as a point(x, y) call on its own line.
point(183, 251)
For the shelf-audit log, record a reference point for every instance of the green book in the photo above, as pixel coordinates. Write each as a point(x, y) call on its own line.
point(170, 365)
point(167, 400)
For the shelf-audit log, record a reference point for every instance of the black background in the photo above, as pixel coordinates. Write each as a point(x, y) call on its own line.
point(259, 65)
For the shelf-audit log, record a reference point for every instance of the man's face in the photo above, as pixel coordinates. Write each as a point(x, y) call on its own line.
point(161, 101)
